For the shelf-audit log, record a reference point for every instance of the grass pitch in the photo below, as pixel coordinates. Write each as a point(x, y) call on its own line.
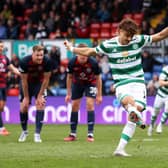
point(53, 152)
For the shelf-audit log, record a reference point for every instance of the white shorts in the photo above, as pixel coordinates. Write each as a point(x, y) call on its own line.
point(135, 90)
point(161, 102)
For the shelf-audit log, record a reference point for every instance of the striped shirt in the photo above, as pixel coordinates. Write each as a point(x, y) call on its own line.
point(125, 60)
point(163, 90)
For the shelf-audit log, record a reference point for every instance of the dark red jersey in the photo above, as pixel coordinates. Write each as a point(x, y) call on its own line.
point(4, 63)
point(84, 73)
point(35, 71)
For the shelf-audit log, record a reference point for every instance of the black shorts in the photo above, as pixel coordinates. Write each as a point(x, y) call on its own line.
point(88, 90)
point(33, 90)
point(3, 94)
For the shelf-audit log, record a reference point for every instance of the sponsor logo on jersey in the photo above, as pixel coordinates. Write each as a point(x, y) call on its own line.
point(125, 54)
point(125, 60)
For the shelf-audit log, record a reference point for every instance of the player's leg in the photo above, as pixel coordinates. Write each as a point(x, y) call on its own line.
point(126, 96)
point(164, 117)
point(23, 119)
point(90, 118)
point(158, 104)
point(127, 132)
point(90, 92)
point(3, 130)
point(73, 121)
point(77, 93)
point(39, 113)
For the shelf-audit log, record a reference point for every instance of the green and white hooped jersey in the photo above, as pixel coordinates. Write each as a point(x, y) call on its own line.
point(125, 60)
point(163, 90)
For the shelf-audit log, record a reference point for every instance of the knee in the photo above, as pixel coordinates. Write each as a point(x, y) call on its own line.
point(90, 106)
point(75, 106)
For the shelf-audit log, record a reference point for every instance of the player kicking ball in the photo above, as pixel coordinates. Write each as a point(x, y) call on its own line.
point(124, 53)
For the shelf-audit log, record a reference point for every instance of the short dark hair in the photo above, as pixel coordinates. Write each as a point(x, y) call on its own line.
point(129, 26)
point(38, 48)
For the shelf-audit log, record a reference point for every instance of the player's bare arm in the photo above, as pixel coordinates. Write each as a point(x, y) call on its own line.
point(161, 35)
point(163, 82)
point(40, 98)
point(44, 83)
point(80, 51)
point(25, 84)
point(99, 89)
point(26, 100)
point(69, 84)
point(14, 69)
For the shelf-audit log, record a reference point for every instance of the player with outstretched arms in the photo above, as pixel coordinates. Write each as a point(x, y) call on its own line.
point(124, 53)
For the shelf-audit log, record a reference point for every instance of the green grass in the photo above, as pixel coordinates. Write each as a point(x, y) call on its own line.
point(53, 152)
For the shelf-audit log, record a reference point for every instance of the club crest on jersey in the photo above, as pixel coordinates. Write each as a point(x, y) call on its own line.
point(135, 46)
point(88, 70)
point(125, 54)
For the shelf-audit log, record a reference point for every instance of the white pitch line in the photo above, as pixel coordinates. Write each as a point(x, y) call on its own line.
point(146, 139)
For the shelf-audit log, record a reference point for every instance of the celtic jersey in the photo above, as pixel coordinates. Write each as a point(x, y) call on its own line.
point(163, 90)
point(125, 60)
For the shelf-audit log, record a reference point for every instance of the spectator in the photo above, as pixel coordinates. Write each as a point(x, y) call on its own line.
point(83, 28)
point(12, 29)
point(50, 21)
point(3, 30)
point(71, 33)
point(35, 16)
point(147, 62)
point(42, 32)
point(30, 30)
point(55, 34)
point(103, 14)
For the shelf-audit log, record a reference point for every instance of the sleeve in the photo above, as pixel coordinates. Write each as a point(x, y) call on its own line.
point(48, 65)
point(22, 66)
point(164, 74)
point(96, 67)
point(146, 39)
point(70, 67)
point(102, 48)
point(8, 61)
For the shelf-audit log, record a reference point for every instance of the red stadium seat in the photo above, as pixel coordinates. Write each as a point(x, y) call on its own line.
point(94, 34)
point(106, 26)
point(105, 30)
point(138, 18)
point(23, 29)
point(127, 15)
point(95, 30)
point(114, 27)
point(13, 92)
point(21, 36)
point(105, 34)
point(95, 26)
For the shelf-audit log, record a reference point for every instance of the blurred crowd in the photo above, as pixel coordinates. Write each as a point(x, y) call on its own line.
point(53, 19)
point(35, 19)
